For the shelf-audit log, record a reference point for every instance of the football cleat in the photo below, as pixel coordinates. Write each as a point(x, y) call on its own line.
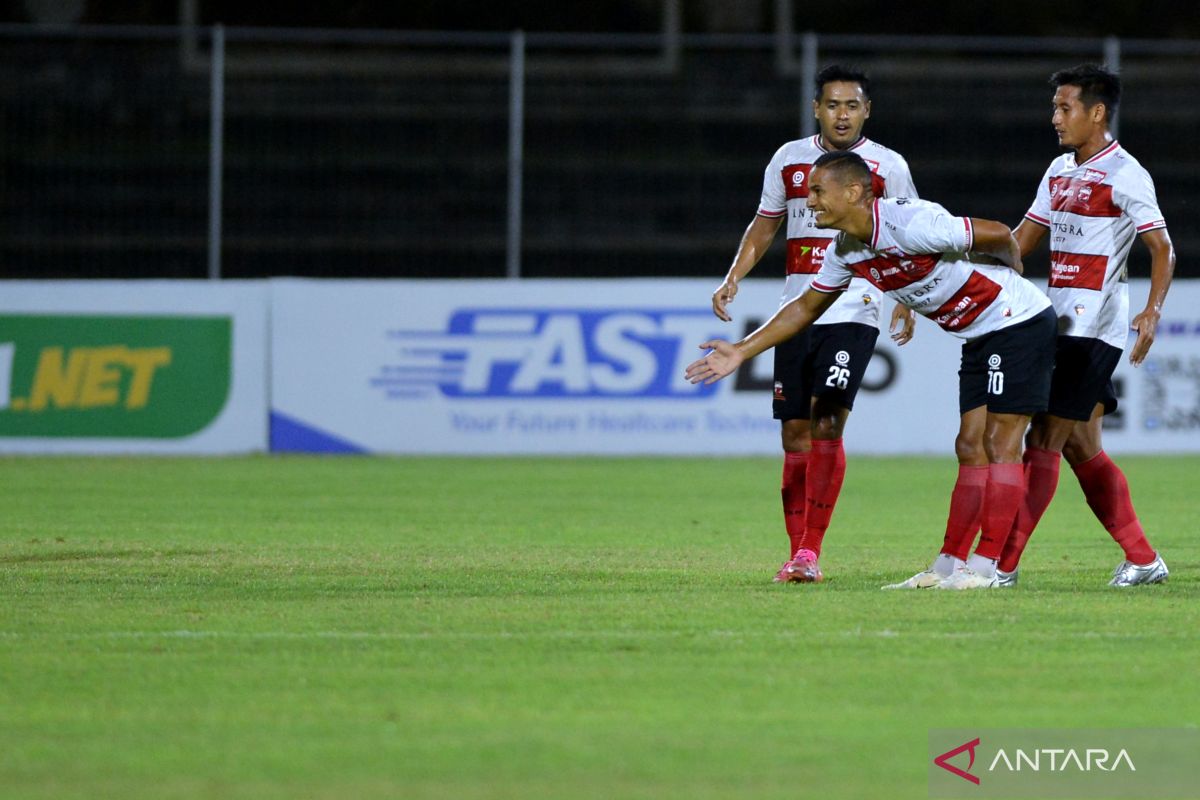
point(966, 578)
point(801, 569)
point(1130, 574)
point(1007, 580)
point(922, 580)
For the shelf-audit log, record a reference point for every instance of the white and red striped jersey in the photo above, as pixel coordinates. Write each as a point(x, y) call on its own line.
point(785, 191)
point(918, 256)
point(1094, 210)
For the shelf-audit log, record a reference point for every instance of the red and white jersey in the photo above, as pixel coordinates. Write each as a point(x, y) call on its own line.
point(918, 256)
point(785, 191)
point(1094, 210)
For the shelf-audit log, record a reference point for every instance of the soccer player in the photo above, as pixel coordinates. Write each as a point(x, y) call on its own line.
point(919, 254)
point(817, 374)
point(1093, 201)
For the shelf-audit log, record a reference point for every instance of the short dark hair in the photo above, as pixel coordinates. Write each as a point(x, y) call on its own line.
point(836, 72)
point(1096, 85)
point(847, 167)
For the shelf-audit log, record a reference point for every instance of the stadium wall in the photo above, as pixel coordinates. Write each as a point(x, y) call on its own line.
point(474, 367)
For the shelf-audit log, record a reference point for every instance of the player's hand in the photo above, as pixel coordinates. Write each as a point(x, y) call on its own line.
point(1146, 324)
point(722, 297)
point(724, 359)
point(907, 320)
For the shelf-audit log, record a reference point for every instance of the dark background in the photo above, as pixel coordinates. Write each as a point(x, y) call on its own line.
point(353, 148)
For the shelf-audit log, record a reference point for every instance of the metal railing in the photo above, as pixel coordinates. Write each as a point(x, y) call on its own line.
point(243, 152)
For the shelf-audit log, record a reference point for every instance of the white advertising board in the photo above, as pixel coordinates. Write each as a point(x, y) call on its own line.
point(596, 367)
point(544, 367)
point(133, 366)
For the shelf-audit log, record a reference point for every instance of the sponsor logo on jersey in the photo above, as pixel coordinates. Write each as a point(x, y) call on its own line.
point(1077, 270)
point(795, 180)
point(551, 352)
point(965, 306)
point(891, 273)
point(1088, 199)
point(806, 255)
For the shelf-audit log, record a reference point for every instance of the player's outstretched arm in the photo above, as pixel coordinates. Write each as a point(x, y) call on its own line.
point(1162, 269)
point(794, 317)
point(995, 239)
point(755, 241)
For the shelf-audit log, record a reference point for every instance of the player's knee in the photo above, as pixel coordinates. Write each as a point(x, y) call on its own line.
point(796, 436)
point(1001, 447)
point(1078, 450)
point(969, 449)
point(828, 426)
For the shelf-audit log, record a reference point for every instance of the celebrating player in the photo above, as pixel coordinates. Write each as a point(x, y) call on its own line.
point(917, 253)
point(1093, 200)
point(817, 374)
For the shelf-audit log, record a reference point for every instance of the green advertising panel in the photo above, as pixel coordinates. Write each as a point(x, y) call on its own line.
point(112, 376)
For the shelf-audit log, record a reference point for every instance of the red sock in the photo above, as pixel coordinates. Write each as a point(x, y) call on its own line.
point(1002, 500)
point(795, 468)
point(826, 470)
point(1107, 493)
point(966, 508)
point(1041, 480)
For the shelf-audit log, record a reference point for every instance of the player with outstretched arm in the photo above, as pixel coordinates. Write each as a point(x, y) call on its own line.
point(960, 272)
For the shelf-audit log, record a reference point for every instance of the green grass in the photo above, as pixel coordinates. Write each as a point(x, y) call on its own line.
point(524, 628)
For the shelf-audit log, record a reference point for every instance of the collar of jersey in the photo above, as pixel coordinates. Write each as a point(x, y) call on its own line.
point(817, 141)
point(1097, 156)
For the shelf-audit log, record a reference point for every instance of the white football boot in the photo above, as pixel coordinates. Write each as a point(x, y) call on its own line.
point(922, 580)
point(1129, 574)
point(966, 578)
point(1007, 580)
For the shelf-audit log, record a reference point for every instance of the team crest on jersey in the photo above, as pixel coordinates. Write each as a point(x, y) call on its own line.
point(1080, 308)
point(1085, 193)
point(1094, 175)
point(779, 391)
point(874, 165)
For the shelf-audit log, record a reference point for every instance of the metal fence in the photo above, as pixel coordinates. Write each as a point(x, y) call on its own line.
point(185, 152)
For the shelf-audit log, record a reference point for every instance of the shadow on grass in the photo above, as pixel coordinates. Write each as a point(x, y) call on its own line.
point(100, 555)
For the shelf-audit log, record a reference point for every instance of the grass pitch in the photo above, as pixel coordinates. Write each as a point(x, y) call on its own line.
point(524, 628)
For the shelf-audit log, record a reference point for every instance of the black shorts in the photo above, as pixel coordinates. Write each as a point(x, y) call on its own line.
point(827, 361)
point(1009, 370)
point(1083, 370)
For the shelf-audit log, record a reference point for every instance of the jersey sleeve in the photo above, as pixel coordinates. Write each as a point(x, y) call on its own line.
point(773, 202)
point(835, 274)
point(1133, 193)
point(934, 230)
point(1039, 212)
point(899, 181)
